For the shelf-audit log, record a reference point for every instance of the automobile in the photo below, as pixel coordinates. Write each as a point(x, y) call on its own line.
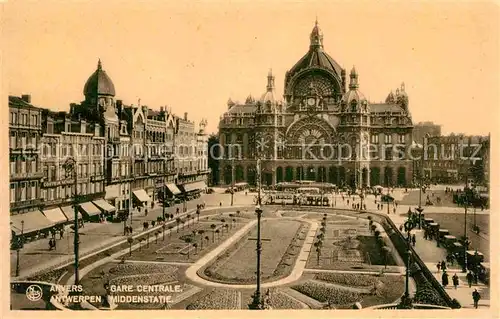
point(386, 198)
point(229, 190)
point(210, 191)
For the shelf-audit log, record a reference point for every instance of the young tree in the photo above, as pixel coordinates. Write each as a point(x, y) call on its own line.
point(201, 232)
point(178, 221)
point(188, 217)
point(195, 245)
point(198, 214)
point(188, 240)
point(213, 226)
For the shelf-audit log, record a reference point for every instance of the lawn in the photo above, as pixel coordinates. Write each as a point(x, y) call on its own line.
point(455, 224)
point(178, 246)
point(348, 244)
point(237, 264)
point(217, 299)
point(342, 290)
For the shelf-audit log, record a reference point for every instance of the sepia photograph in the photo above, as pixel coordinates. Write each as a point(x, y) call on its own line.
point(249, 155)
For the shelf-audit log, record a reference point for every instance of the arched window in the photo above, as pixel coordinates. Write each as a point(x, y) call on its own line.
point(354, 104)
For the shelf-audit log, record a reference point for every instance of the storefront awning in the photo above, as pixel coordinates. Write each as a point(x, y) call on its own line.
point(55, 215)
point(104, 205)
point(141, 195)
point(173, 189)
point(33, 221)
point(194, 186)
point(89, 209)
point(69, 211)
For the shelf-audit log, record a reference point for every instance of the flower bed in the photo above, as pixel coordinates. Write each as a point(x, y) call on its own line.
point(217, 299)
point(280, 300)
point(137, 269)
point(50, 276)
point(146, 279)
point(324, 293)
point(354, 280)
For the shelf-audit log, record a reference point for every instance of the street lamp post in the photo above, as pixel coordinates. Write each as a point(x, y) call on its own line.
point(232, 180)
point(19, 245)
point(164, 189)
point(466, 198)
point(408, 226)
point(256, 301)
point(70, 168)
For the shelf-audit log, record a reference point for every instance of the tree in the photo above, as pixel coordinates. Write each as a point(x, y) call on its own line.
point(188, 217)
point(195, 245)
point(234, 221)
point(198, 214)
point(217, 232)
point(201, 232)
point(130, 240)
point(178, 221)
point(188, 241)
point(207, 239)
point(213, 226)
point(156, 237)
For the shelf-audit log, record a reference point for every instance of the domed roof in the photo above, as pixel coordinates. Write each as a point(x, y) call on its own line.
point(354, 94)
point(316, 56)
point(99, 83)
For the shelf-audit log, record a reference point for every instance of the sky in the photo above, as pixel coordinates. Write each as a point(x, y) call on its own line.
point(193, 55)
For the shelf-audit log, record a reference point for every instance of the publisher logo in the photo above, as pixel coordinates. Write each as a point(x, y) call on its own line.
point(34, 293)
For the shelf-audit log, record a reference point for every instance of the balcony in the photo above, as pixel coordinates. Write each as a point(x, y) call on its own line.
point(96, 178)
point(26, 203)
point(25, 176)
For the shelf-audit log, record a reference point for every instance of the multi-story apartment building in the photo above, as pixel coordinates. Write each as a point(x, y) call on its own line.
point(457, 159)
point(25, 129)
point(421, 129)
point(122, 156)
point(187, 159)
point(324, 130)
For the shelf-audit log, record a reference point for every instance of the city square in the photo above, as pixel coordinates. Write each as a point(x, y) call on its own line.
point(310, 195)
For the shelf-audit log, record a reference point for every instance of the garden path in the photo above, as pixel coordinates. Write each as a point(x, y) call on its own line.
point(175, 263)
point(361, 272)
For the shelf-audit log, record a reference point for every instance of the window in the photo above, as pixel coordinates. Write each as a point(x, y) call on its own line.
point(401, 138)
point(374, 139)
point(13, 138)
point(22, 196)
point(12, 165)
point(388, 138)
point(12, 192)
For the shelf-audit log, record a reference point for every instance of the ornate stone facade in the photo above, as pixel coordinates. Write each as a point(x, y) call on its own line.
point(324, 130)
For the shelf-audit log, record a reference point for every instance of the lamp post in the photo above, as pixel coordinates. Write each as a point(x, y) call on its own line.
point(19, 245)
point(256, 299)
point(232, 180)
point(70, 168)
point(408, 226)
point(466, 199)
point(164, 189)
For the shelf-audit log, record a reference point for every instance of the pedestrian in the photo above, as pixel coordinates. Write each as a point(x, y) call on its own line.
point(378, 206)
point(220, 204)
point(177, 210)
point(401, 227)
point(444, 279)
point(469, 278)
point(438, 266)
point(396, 203)
point(394, 210)
point(61, 233)
point(443, 265)
point(50, 244)
point(476, 296)
point(146, 212)
point(348, 201)
point(455, 281)
point(413, 240)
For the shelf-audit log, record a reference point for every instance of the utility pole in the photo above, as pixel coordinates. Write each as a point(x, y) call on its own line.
point(466, 198)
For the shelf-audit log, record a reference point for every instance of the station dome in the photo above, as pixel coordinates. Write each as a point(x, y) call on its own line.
point(99, 83)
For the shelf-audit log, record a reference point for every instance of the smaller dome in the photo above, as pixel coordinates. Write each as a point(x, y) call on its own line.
point(390, 99)
point(353, 95)
point(99, 83)
point(250, 99)
point(268, 97)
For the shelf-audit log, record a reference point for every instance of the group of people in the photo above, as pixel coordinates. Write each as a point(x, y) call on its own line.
point(471, 278)
point(52, 240)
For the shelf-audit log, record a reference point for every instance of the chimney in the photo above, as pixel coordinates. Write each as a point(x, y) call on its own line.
point(185, 116)
point(26, 98)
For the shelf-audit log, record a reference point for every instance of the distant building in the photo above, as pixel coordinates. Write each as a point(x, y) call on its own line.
point(457, 159)
point(422, 128)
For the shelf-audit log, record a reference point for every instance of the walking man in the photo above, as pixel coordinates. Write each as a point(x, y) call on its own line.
point(476, 296)
point(438, 266)
point(444, 279)
point(413, 240)
point(469, 278)
point(455, 280)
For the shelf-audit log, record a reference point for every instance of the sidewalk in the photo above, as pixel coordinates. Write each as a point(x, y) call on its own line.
point(428, 250)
